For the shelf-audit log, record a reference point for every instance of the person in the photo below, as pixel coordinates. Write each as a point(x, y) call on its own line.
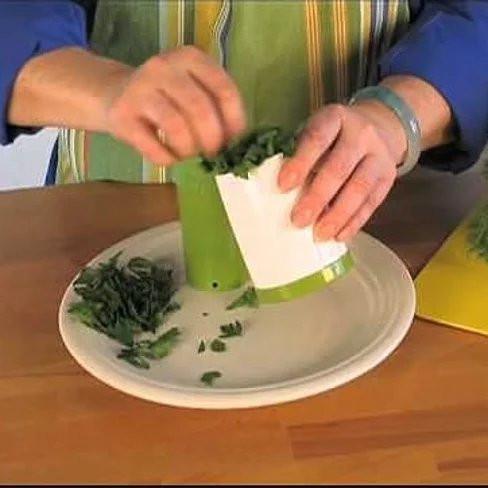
point(138, 86)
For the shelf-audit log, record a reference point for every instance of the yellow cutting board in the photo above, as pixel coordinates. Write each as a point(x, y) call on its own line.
point(453, 288)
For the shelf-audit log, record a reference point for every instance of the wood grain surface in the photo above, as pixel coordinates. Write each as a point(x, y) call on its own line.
point(421, 416)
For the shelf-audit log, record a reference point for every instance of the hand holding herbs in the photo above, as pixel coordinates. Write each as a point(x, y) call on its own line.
point(181, 91)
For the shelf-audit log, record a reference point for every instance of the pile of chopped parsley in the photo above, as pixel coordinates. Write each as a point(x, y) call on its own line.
point(122, 301)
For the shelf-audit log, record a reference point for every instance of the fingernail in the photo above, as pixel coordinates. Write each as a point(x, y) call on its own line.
point(344, 237)
point(324, 232)
point(287, 180)
point(302, 217)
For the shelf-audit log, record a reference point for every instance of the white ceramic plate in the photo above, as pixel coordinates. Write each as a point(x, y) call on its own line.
point(289, 351)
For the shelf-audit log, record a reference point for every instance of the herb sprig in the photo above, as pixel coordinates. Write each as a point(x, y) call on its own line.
point(139, 353)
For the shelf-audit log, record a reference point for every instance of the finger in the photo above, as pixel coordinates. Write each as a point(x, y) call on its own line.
point(162, 114)
point(198, 108)
point(218, 83)
point(317, 137)
point(225, 94)
point(350, 198)
point(142, 137)
point(359, 219)
point(334, 170)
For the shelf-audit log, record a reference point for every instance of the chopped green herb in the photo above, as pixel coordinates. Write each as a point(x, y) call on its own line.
point(121, 301)
point(134, 359)
point(172, 307)
point(201, 347)
point(209, 377)
point(164, 344)
point(249, 152)
point(231, 330)
point(139, 352)
point(478, 227)
point(478, 232)
point(218, 346)
point(248, 299)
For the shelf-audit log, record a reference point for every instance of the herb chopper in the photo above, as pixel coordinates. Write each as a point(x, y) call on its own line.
point(236, 227)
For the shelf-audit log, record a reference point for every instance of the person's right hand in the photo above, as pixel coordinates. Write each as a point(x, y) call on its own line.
point(174, 106)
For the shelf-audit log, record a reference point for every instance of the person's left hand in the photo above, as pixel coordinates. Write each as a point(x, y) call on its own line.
point(346, 159)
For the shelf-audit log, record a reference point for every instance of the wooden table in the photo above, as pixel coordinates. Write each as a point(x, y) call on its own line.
point(422, 416)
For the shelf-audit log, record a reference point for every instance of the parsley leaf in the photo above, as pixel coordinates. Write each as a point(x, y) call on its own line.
point(138, 353)
point(231, 330)
point(248, 299)
point(218, 346)
point(209, 377)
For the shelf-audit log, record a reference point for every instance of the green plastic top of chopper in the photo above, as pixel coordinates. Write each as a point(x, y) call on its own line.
point(213, 260)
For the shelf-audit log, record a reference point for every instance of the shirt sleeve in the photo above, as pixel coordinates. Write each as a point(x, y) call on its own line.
point(30, 28)
point(447, 46)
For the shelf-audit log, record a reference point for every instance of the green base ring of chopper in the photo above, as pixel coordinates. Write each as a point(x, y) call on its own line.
point(309, 284)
